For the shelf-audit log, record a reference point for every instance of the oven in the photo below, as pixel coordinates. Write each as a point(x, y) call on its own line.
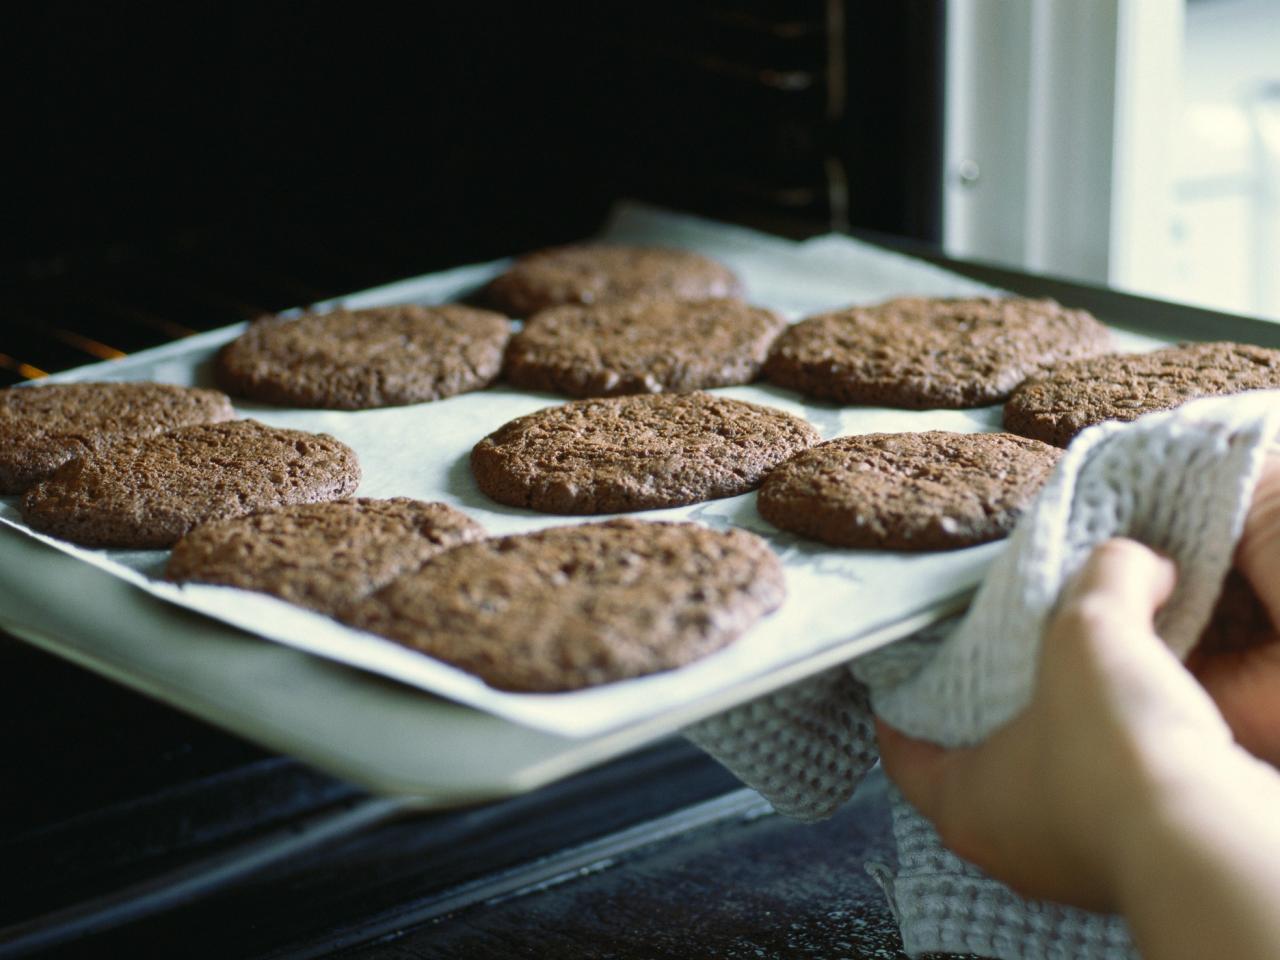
point(190, 167)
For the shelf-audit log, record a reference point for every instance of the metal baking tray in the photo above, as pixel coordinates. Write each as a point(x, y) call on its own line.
point(377, 728)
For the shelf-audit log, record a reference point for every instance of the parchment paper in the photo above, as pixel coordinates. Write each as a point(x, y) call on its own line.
point(421, 451)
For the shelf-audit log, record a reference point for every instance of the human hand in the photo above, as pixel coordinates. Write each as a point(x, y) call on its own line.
point(1238, 658)
point(1052, 802)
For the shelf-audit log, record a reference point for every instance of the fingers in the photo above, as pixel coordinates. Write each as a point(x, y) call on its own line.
point(1045, 801)
point(1101, 656)
point(917, 767)
point(1238, 661)
point(1123, 576)
point(1105, 615)
point(1117, 591)
point(939, 783)
point(1245, 686)
point(1258, 554)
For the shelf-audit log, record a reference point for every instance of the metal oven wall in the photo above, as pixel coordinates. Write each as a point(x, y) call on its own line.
point(186, 166)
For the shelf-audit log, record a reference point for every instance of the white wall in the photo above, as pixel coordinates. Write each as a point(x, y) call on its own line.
point(1056, 113)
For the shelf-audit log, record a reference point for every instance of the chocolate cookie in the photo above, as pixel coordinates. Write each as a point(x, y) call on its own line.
point(635, 453)
point(923, 354)
point(582, 605)
point(1063, 401)
point(908, 491)
point(641, 346)
point(146, 492)
point(594, 273)
point(324, 556)
point(43, 427)
point(360, 359)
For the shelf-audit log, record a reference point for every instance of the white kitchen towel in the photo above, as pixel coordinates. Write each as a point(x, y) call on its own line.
point(1179, 482)
point(805, 747)
point(946, 905)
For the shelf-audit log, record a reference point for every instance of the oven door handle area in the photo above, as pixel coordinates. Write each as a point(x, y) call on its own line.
point(393, 740)
point(201, 878)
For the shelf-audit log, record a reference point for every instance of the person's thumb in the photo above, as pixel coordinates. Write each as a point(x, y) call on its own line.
point(1125, 579)
point(1258, 553)
point(1102, 642)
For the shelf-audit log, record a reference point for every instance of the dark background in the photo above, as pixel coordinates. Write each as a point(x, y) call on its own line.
point(176, 167)
point(460, 132)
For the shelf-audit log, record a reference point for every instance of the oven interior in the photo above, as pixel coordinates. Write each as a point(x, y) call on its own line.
point(183, 167)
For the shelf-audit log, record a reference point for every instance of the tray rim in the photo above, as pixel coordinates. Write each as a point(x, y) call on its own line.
point(529, 757)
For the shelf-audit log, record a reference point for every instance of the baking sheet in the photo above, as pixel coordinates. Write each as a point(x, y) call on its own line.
point(421, 451)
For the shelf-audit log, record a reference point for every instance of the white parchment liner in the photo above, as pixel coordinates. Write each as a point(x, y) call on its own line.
point(421, 451)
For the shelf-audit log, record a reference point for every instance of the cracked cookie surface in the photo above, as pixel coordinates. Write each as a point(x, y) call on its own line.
point(1057, 405)
point(596, 273)
point(362, 359)
point(932, 490)
point(323, 556)
point(581, 605)
point(146, 493)
point(639, 452)
point(641, 346)
point(919, 353)
point(42, 427)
